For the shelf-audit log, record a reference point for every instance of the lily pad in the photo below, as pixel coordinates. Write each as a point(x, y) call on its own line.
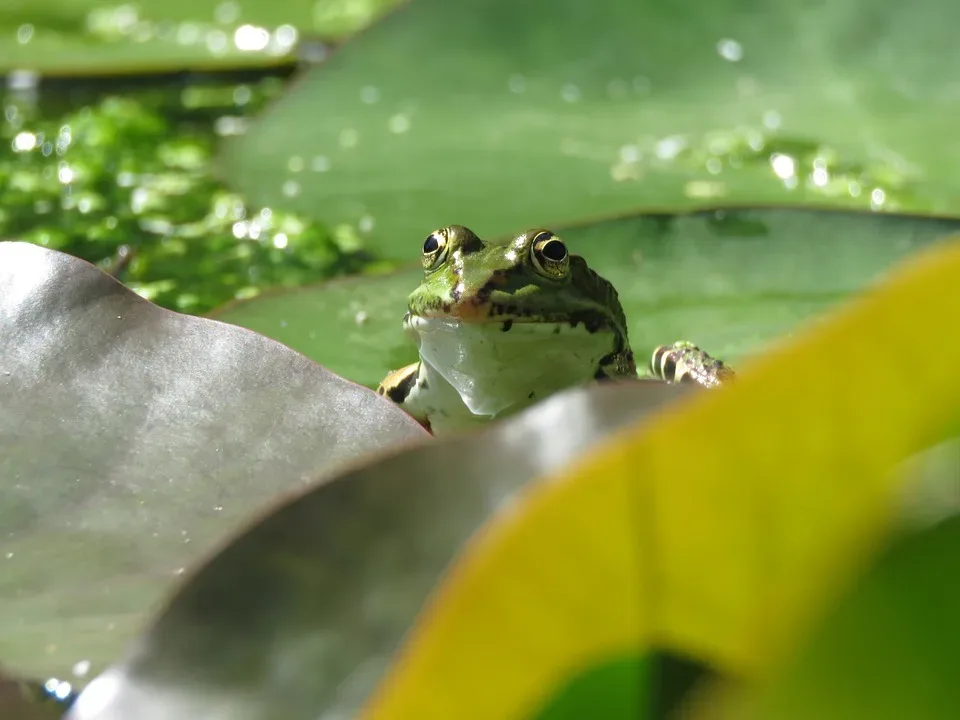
point(501, 115)
point(732, 281)
point(88, 36)
point(132, 441)
point(299, 617)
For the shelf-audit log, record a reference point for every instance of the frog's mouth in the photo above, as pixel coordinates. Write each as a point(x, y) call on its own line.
point(508, 317)
point(492, 364)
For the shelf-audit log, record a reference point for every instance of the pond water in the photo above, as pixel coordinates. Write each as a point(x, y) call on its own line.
point(123, 173)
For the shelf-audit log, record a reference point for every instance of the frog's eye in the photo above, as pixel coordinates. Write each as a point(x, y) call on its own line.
point(549, 254)
point(433, 248)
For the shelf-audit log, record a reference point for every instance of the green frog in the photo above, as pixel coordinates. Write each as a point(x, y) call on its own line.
point(500, 327)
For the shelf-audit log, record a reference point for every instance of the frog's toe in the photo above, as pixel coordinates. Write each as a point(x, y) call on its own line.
point(684, 362)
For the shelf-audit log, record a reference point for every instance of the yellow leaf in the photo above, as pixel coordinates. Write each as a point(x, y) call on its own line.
point(719, 530)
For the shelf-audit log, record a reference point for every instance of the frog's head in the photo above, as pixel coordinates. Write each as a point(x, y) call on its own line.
point(507, 324)
point(531, 279)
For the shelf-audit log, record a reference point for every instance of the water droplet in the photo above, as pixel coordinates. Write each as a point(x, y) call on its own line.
point(622, 172)
point(291, 188)
point(251, 38)
point(349, 138)
point(280, 240)
point(229, 125)
point(714, 166)
point(65, 174)
point(242, 95)
point(516, 84)
point(399, 124)
point(217, 42)
point(877, 198)
point(629, 154)
point(670, 147)
point(369, 94)
point(286, 37)
point(320, 163)
point(295, 164)
point(366, 224)
point(9, 554)
point(227, 13)
point(240, 229)
point(854, 189)
point(772, 119)
point(705, 189)
point(188, 34)
point(361, 317)
point(783, 166)
point(730, 50)
point(218, 508)
point(81, 668)
point(570, 93)
point(24, 33)
point(820, 177)
point(24, 142)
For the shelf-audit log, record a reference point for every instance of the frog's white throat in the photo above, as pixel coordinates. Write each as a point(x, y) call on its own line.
point(495, 366)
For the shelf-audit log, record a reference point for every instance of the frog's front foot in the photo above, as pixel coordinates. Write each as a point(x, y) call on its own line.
point(685, 362)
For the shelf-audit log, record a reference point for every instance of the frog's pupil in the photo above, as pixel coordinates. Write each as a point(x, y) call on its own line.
point(554, 250)
point(430, 245)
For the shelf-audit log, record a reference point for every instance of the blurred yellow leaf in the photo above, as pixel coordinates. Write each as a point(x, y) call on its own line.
point(718, 531)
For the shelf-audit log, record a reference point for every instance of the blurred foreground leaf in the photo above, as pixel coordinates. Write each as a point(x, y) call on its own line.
point(299, 617)
point(132, 441)
point(718, 532)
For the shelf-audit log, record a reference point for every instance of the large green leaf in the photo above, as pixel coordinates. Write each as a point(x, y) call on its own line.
point(731, 281)
point(502, 114)
point(133, 440)
point(91, 36)
point(299, 617)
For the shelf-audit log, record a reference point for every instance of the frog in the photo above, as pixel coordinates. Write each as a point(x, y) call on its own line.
point(501, 326)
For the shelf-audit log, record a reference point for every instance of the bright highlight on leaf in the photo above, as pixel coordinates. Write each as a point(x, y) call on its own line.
point(718, 532)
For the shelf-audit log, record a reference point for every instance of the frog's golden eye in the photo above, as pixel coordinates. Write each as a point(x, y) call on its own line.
point(434, 248)
point(549, 254)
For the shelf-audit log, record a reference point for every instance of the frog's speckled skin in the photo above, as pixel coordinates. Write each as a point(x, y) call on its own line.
point(503, 326)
